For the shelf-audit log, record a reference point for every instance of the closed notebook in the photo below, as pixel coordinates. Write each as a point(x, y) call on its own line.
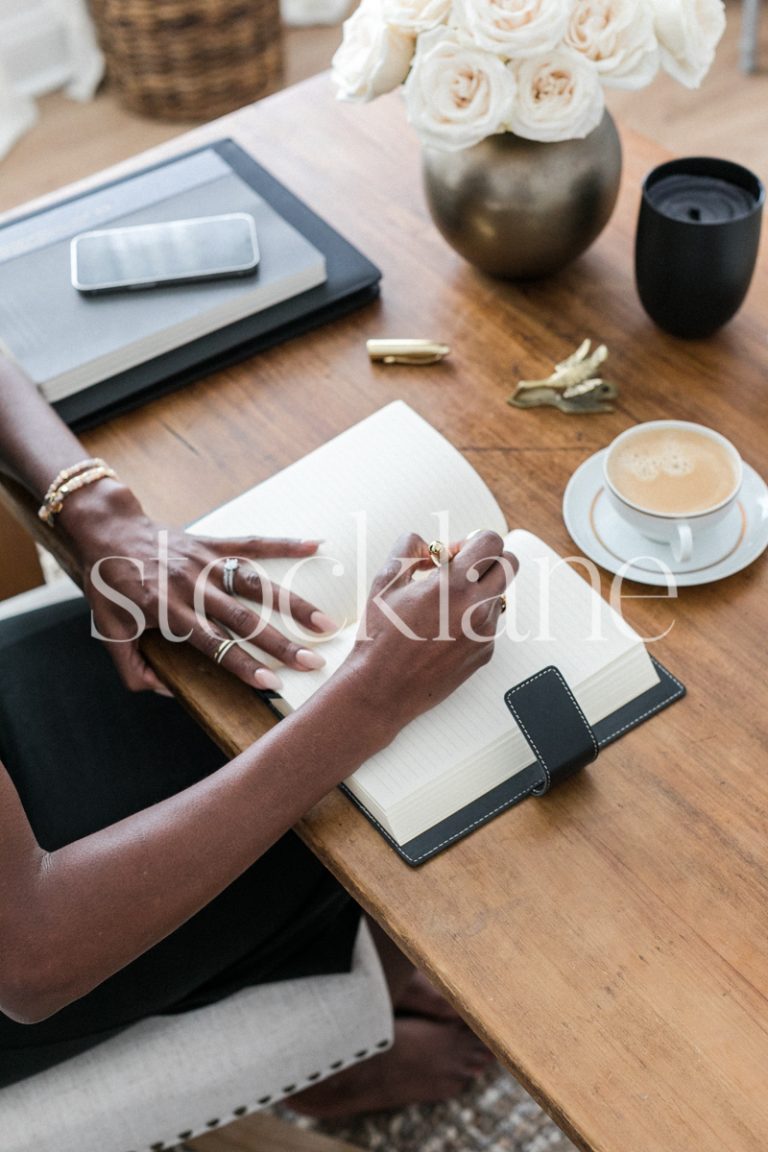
point(393, 473)
point(67, 341)
point(93, 356)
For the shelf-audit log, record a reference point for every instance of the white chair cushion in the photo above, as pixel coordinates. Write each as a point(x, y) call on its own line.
point(63, 589)
point(170, 1078)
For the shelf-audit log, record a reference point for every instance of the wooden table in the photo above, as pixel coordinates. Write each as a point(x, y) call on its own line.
point(609, 941)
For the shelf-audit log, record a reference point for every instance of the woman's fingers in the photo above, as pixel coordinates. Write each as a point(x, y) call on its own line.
point(410, 552)
point(484, 562)
point(254, 627)
point(134, 671)
point(226, 651)
point(248, 582)
point(261, 547)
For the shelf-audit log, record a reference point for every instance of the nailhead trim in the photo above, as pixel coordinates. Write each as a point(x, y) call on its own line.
point(263, 1101)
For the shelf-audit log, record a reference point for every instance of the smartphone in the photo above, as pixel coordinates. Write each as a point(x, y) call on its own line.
point(175, 252)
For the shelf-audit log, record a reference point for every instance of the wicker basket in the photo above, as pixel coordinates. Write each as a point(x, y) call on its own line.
point(190, 59)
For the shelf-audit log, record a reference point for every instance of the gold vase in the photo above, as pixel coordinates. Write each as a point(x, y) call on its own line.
point(519, 209)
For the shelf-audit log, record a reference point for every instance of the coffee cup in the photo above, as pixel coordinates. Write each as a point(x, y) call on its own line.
point(673, 481)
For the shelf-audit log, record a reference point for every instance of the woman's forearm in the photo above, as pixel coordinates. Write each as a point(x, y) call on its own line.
point(35, 444)
point(104, 900)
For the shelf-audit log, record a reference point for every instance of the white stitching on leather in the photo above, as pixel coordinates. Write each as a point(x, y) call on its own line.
point(518, 795)
point(450, 839)
point(650, 711)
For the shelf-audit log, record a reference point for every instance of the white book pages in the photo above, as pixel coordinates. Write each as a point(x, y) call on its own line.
point(469, 743)
point(393, 473)
point(390, 474)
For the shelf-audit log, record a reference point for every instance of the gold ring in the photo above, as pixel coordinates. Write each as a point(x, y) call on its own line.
point(222, 649)
point(436, 550)
point(503, 604)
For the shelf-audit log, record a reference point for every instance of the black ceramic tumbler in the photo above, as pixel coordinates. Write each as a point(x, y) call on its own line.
point(697, 242)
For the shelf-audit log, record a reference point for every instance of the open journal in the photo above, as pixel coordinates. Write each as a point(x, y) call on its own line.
point(393, 473)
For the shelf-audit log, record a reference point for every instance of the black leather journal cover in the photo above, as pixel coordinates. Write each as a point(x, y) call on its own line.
point(352, 280)
point(561, 743)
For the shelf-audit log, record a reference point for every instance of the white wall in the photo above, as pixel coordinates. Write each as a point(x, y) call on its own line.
point(44, 45)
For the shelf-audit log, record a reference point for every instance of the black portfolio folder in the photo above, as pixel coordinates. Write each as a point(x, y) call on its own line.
point(549, 726)
point(352, 280)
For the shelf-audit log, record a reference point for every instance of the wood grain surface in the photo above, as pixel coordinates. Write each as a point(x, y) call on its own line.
point(263, 1132)
point(608, 941)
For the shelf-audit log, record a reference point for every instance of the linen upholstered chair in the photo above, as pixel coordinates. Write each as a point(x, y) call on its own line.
point(169, 1079)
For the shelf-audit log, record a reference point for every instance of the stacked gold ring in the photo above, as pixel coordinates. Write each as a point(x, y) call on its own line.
point(222, 649)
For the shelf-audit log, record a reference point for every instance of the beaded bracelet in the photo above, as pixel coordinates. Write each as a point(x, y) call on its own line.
point(68, 473)
point(68, 481)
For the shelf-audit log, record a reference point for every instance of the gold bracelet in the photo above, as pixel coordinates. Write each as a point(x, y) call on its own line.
point(68, 473)
point(55, 496)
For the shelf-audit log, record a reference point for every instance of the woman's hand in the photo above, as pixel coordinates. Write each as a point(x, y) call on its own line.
point(139, 575)
point(420, 639)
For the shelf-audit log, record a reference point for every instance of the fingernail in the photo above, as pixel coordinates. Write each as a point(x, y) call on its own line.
point(164, 692)
point(306, 658)
point(312, 543)
point(268, 679)
point(323, 623)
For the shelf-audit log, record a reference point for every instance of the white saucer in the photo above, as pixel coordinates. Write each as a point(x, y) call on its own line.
point(604, 537)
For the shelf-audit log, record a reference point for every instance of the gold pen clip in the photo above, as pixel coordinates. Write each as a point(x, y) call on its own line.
point(406, 351)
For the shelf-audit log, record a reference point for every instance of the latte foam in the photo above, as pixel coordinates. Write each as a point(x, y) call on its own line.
point(673, 472)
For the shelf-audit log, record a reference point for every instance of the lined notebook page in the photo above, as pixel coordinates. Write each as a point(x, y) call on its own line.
point(450, 755)
point(389, 474)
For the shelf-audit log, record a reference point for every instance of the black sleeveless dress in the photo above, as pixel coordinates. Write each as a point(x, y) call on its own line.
point(83, 753)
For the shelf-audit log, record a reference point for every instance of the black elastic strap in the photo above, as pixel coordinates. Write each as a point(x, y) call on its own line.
point(554, 725)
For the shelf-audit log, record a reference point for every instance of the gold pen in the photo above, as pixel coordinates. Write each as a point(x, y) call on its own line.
point(406, 351)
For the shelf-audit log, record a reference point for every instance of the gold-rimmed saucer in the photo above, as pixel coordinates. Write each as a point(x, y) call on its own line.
point(604, 537)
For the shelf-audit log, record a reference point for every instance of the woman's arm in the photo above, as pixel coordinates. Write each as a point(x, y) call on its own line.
point(71, 918)
point(106, 520)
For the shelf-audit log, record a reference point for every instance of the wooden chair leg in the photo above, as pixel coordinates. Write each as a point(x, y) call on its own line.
point(264, 1132)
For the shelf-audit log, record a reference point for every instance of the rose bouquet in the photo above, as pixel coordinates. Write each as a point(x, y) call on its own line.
point(536, 68)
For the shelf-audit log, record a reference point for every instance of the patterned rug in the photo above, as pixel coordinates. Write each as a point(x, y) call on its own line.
point(495, 1115)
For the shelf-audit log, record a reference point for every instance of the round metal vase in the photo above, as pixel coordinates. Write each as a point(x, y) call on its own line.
point(519, 209)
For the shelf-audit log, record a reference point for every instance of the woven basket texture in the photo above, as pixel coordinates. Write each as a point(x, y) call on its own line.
point(190, 59)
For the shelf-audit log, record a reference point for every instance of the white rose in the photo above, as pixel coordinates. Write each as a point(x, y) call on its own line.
point(559, 97)
point(372, 58)
point(457, 94)
point(688, 32)
point(513, 28)
point(618, 37)
point(416, 15)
